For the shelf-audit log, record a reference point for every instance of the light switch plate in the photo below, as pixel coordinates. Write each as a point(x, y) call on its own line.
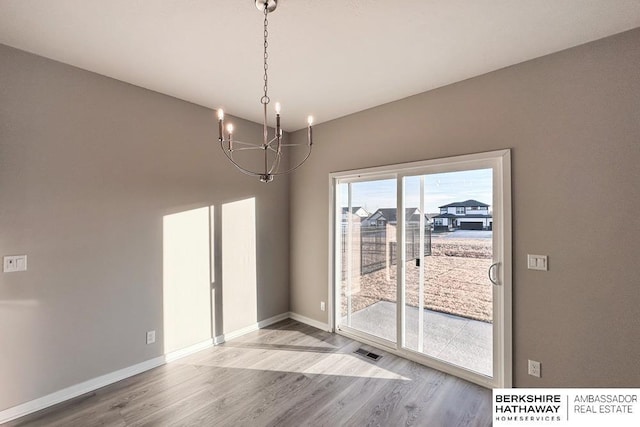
point(537, 262)
point(13, 263)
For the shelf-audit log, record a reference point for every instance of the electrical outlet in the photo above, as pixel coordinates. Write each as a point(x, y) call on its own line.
point(534, 368)
point(322, 306)
point(151, 337)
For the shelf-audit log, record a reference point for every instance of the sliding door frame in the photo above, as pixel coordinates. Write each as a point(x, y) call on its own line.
point(500, 162)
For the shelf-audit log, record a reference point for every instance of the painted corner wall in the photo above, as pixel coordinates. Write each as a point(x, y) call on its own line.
point(572, 120)
point(101, 183)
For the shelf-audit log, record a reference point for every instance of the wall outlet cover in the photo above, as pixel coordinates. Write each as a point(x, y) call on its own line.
point(534, 368)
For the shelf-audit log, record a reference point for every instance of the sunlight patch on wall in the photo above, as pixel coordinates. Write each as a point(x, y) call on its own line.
point(186, 278)
point(239, 280)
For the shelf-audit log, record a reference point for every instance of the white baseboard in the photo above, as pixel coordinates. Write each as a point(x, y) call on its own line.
point(303, 319)
point(179, 354)
point(239, 332)
point(251, 328)
point(104, 380)
point(275, 319)
point(78, 390)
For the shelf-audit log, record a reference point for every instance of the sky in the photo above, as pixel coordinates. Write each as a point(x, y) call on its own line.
point(440, 189)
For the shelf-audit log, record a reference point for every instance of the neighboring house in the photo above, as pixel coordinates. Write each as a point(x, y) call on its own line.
point(467, 215)
point(384, 216)
point(358, 211)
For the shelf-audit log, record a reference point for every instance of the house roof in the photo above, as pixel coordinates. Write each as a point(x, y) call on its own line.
point(390, 214)
point(354, 209)
point(447, 215)
point(450, 215)
point(466, 204)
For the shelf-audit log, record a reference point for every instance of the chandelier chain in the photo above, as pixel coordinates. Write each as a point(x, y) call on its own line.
point(265, 99)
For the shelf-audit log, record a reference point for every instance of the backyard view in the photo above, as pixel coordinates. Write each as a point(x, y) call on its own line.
point(448, 247)
point(456, 283)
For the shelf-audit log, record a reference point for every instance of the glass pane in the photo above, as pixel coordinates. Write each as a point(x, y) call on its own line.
point(367, 244)
point(448, 296)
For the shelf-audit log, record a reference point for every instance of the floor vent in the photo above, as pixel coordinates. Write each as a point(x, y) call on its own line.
point(368, 354)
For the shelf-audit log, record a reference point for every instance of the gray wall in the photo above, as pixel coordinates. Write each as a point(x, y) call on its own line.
point(89, 167)
point(572, 120)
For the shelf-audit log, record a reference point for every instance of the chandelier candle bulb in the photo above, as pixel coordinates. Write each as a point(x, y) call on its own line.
point(278, 130)
point(220, 123)
point(230, 137)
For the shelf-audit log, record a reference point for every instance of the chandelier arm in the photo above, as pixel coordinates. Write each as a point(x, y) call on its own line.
point(247, 144)
point(272, 140)
point(240, 168)
point(245, 149)
point(275, 165)
point(296, 166)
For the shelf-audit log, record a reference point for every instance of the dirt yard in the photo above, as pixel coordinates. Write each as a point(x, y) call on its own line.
point(456, 280)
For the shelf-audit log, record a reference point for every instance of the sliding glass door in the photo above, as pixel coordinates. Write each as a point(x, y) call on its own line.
point(367, 275)
point(422, 262)
point(448, 297)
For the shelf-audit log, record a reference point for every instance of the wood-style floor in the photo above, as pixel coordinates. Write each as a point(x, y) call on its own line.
point(289, 374)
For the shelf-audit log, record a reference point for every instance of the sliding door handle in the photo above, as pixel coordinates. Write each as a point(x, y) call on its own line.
point(493, 277)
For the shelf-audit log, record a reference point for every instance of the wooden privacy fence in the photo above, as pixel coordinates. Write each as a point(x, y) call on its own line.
point(373, 248)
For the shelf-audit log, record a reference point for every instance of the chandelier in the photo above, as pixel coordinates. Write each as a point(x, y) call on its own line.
point(272, 147)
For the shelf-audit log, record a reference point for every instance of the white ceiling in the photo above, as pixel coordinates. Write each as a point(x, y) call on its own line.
point(327, 58)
